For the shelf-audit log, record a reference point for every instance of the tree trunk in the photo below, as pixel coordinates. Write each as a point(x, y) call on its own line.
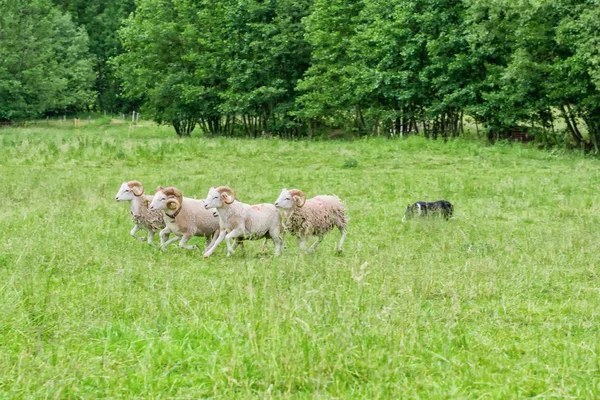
point(574, 133)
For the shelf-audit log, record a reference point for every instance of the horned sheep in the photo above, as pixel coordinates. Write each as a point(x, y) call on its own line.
point(312, 217)
point(239, 221)
point(184, 217)
point(142, 217)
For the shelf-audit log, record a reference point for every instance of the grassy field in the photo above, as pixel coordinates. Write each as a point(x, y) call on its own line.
point(503, 301)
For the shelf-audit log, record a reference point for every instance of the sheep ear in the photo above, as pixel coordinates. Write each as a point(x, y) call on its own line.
point(224, 196)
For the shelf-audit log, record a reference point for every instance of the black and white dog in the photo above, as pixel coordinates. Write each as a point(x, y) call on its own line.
point(423, 209)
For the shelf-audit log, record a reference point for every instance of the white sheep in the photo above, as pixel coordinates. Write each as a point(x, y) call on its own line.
point(142, 217)
point(184, 217)
point(241, 221)
point(312, 217)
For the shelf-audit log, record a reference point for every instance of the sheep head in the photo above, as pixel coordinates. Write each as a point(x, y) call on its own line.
point(166, 198)
point(218, 197)
point(290, 198)
point(129, 190)
point(298, 196)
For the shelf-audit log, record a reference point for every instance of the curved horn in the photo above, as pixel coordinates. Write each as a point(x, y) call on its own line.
point(229, 191)
point(172, 191)
point(137, 187)
point(172, 202)
point(159, 188)
point(298, 193)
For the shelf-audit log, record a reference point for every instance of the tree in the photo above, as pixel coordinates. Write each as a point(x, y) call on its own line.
point(327, 87)
point(102, 19)
point(169, 64)
point(45, 66)
point(539, 61)
point(228, 66)
point(577, 92)
point(390, 63)
point(265, 55)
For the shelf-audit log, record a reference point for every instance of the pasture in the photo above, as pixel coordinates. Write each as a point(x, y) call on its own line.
point(502, 301)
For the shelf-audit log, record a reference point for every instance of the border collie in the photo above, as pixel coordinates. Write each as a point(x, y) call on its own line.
point(424, 209)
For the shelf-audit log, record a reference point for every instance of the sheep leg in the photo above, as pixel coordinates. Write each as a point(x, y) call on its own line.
point(208, 240)
point(315, 244)
point(134, 230)
point(232, 235)
point(278, 243)
point(168, 242)
point(341, 243)
point(184, 240)
point(164, 235)
point(283, 245)
point(150, 237)
point(303, 243)
point(214, 237)
point(214, 245)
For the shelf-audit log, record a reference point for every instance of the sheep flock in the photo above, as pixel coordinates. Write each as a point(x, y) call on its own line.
point(222, 216)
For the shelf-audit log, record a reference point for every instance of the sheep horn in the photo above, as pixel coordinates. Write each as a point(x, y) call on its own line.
point(298, 193)
point(172, 191)
point(159, 188)
point(137, 187)
point(229, 191)
point(170, 203)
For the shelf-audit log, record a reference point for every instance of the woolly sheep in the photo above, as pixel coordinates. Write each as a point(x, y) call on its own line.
point(241, 221)
point(312, 217)
point(142, 217)
point(184, 217)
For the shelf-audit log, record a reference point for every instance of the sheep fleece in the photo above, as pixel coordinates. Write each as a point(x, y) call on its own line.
point(318, 216)
point(148, 219)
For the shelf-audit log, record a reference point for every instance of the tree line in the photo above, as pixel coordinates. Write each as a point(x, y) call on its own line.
point(292, 67)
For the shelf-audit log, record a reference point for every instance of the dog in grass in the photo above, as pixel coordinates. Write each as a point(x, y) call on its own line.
point(424, 209)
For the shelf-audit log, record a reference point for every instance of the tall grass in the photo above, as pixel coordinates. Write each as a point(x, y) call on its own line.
point(501, 302)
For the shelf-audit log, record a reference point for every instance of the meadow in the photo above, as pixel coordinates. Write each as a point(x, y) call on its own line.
point(502, 301)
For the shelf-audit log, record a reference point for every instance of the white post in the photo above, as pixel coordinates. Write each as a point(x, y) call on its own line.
point(137, 118)
point(133, 116)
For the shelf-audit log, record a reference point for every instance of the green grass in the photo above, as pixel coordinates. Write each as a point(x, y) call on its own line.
point(503, 301)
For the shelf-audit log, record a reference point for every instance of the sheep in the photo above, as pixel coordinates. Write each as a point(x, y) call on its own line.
point(312, 217)
point(184, 217)
point(241, 221)
point(142, 217)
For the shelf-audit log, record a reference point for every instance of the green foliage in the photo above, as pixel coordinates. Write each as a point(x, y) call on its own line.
point(222, 64)
point(371, 67)
point(392, 66)
point(499, 302)
point(102, 19)
point(350, 162)
point(45, 66)
point(533, 71)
